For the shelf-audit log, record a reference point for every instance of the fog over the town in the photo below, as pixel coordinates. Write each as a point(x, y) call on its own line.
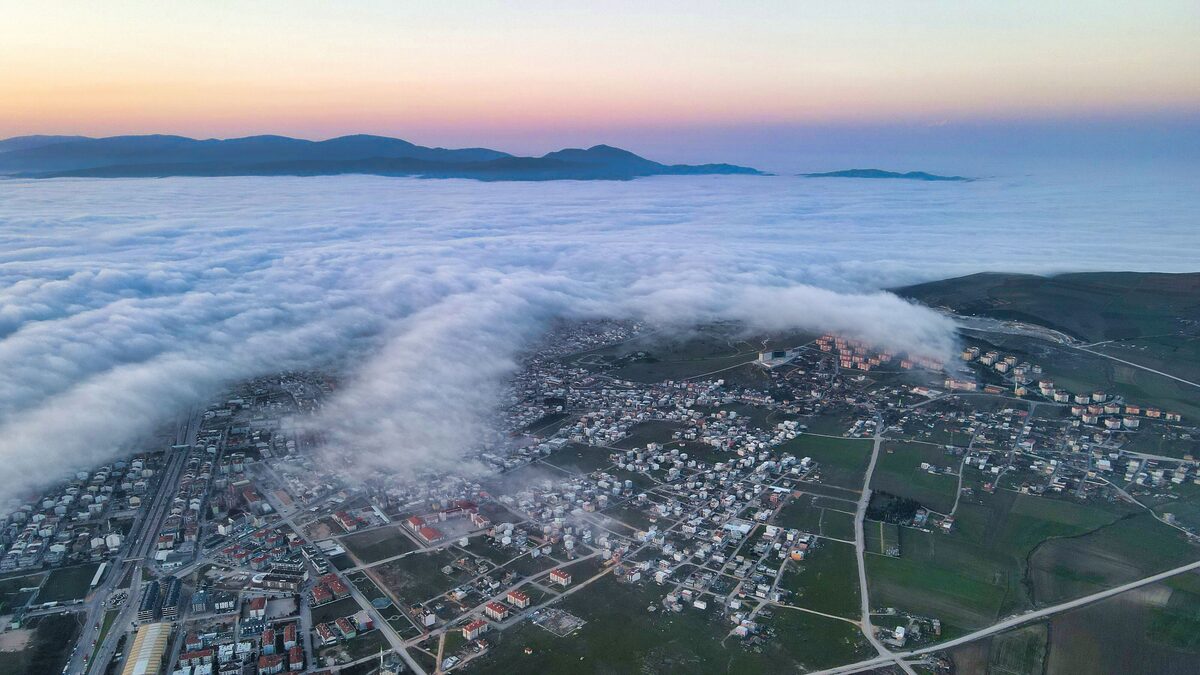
point(125, 302)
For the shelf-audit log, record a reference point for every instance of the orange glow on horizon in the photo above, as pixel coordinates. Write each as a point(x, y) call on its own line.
point(313, 69)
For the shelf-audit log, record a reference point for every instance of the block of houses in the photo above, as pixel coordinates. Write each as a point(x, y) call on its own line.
point(496, 611)
point(518, 599)
point(474, 629)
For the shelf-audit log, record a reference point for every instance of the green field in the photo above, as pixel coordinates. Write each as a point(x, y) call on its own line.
point(1147, 630)
point(656, 431)
point(378, 544)
point(417, 578)
point(1177, 623)
point(1128, 549)
point(813, 516)
point(879, 536)
point(10, 590)
point(843, 461)
point(1091, 306)
point(825, 581)
point(579, 458)
point(68, 583)
point(837, 525)
point(1021, 651)
point(898, 471)
point(621, 636)
point(977, 573)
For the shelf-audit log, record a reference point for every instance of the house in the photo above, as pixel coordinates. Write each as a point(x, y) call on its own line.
point(268, 664)
point(429, 535)
point(289, 636)
point(345, 628)
point(347, 521)
point(326, 634)
point(295, 658)
point(257, 608)
point(267, 643)
point(560, 577)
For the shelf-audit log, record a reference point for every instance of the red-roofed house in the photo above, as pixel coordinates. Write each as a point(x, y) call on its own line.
point(429, 534)
point(296, 658)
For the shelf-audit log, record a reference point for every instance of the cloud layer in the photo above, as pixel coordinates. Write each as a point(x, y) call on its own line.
point(123, 302)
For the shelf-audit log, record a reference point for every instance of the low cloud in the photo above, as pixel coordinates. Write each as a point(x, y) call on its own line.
point(124, 302)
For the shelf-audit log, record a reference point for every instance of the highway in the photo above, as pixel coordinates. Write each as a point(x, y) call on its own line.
point(1138, 365)
point(142, 538)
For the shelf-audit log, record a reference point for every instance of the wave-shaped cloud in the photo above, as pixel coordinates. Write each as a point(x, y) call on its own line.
point(123, 302)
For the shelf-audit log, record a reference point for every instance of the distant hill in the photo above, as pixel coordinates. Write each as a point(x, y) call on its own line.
point(26, 142)
point(1091, 306)
point(158, 156)
point(880, 173)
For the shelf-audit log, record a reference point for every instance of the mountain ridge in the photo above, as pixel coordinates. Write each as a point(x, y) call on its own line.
point(160, 155)
point(880, 173)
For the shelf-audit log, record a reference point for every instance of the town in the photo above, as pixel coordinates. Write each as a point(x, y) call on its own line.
point(770, 507)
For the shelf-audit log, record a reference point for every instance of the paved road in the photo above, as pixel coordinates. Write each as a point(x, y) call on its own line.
point(1012, 622)
point(1138, 365)
point(860, 551)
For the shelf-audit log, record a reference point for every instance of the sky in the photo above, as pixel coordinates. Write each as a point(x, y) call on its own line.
point(686, 81)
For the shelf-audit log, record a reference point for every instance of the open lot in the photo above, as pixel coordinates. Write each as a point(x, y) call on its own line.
point(378, 544)
point(843, 462)
point(825, 581)
point(899, 472)
point(332, 610)
point(417, 578)
point(45, 645)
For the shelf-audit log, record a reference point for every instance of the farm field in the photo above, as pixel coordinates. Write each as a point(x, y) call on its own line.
point(899, 472)
point(622, 636)
point(1148, 630)
point(977, 573)
point(1129, 548)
